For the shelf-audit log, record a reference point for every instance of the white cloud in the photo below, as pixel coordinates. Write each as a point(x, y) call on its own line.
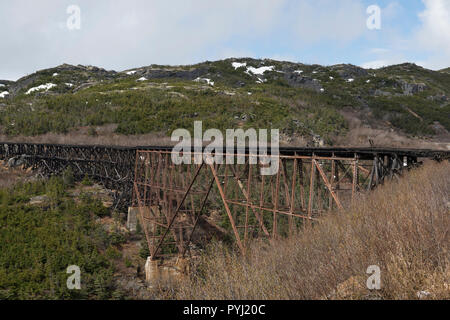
point(379, 50)
point(391, 10)
point(427, 45)
point(339, 21)
point(130, 33)
point(434, 33)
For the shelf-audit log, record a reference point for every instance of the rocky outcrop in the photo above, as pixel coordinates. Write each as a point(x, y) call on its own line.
point(411, 88)
point(298, 81)
point(17, 161)
point(89, 72)
point(349, 71)
point(179, 74)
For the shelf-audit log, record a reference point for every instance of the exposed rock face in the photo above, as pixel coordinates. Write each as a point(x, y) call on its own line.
point(180, 74)
point(17, 161)
point(411, 88)
point(297, 81)
point(441, 98)
point(88, 71)
point(379, 92)
point(347, 71)
point(38, 200)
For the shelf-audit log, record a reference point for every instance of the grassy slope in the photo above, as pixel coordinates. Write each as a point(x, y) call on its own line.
point(165, 104)
point(402, 227)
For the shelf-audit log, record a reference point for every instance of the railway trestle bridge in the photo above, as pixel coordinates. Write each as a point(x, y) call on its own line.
point(173, 200)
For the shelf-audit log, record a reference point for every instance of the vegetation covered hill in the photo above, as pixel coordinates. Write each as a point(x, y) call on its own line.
point(306, 102)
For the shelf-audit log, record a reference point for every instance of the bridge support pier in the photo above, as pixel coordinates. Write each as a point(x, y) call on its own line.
point(132, 218)
point(151, 270)
point(155, 272)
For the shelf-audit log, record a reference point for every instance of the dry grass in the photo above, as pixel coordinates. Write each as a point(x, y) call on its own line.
point(11, 176)
point(358, 136)
point(403, 227)
point(383, 135)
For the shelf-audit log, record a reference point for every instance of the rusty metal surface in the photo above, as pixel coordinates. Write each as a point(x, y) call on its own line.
point(172, 197)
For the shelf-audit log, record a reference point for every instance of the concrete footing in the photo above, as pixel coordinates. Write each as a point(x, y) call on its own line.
point(132, 218)
point(151, 270)
point(155, 272)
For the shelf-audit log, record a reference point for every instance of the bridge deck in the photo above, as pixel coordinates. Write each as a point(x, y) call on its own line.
point(362, 152)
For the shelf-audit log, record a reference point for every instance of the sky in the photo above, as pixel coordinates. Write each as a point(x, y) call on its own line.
point(123, 34)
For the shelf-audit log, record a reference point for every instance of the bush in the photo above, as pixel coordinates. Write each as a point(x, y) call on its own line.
point(38, 244)
point(86, 181)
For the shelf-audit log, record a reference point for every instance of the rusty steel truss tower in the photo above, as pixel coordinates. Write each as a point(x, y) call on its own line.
point(173, 198)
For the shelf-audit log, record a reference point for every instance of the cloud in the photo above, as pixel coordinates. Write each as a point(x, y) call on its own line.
point(391, 11)
point(379, 50)
point(428, 44)
point(129, 33)
point(434, 33)
point(329, 20)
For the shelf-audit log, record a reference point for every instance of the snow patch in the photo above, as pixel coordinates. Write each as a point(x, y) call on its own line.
point(322, 90)
point(55, 74)
point(2, 85)
point(350, 80)
point(331, 78)
point(45, 87)
point(4, 94)
point(131, 72)
point(142, 79)
point(206, 80)
point(253, 70)
point(69, 84)
point(368, 81)
point(298, 71)
point(260, 70)
point(238, 64)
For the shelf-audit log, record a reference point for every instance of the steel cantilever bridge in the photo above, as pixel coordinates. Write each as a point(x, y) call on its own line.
point(173, 199)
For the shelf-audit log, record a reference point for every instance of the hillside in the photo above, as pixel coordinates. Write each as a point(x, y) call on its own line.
point(310, 104)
